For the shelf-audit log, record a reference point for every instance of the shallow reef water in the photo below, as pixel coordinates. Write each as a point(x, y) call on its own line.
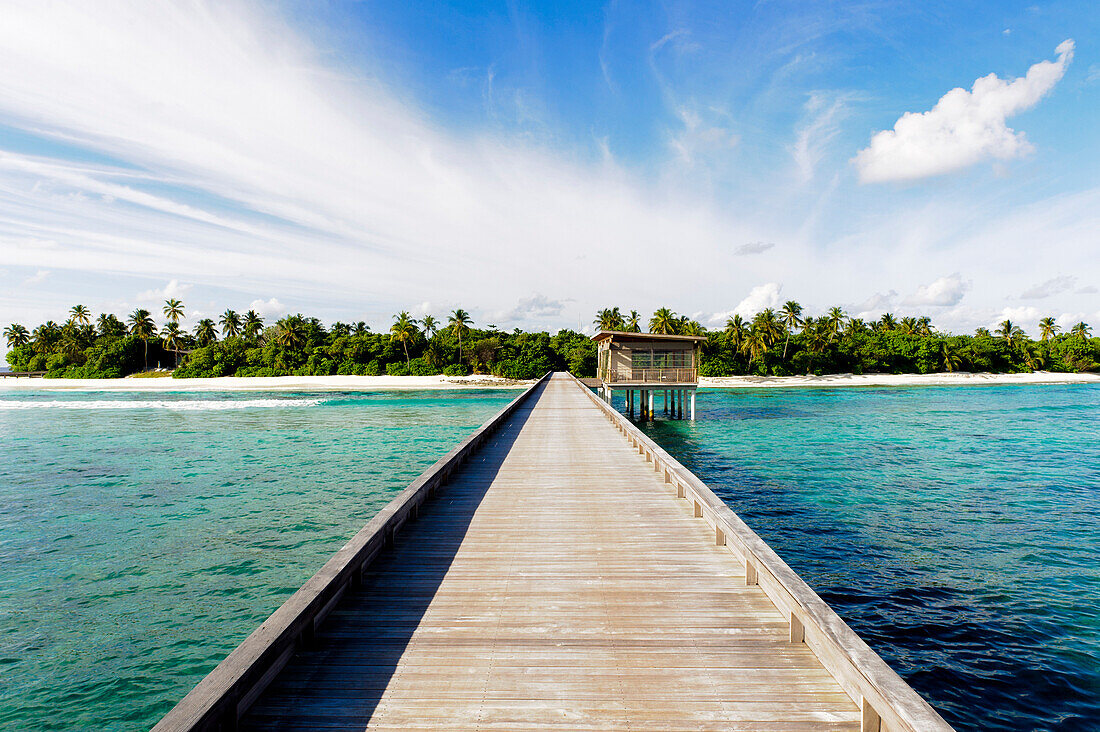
point(143, 536)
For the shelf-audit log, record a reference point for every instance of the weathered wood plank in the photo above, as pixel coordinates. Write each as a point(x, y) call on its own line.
point(556, 583)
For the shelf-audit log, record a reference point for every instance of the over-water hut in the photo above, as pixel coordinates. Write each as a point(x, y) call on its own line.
point(645, 364)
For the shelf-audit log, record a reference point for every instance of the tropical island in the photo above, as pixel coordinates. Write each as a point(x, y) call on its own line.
point(783, 342)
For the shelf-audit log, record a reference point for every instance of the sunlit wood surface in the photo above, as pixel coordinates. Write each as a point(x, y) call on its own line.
point(555, 583)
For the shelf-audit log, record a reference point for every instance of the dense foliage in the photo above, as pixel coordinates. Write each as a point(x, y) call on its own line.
point(295, 345)
point(785, 342)
point(773, 342)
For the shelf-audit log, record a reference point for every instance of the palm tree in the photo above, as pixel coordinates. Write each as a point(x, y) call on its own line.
point(836, 319)
point(17, 335)
point(949, 357)
point(431, 325)
point(231, 324)
point(173, 310)
point(1047, 329)
point(664, 321)
point(459, 323)
point(70, 339)
point(982, 333)
point(887, 322)
point(45, 336)
point(1010, 332)
point(736, 330)
point(205, 332)
point(924, 326)
point(817, 334)
point(403, 329)
point(609, 319)
point(908, 326)
point(755, 344)
point(791, 317)
point(109, 326)
point(291, 333)
point(767, 322)
point(142, 325)
point(79, 315)
point(690, 327)
point(856, 325)
point(360, 328)
point(1032, 357)
point(1082, 330)
point(634, 322)
point(253, 325)
point(172, 338)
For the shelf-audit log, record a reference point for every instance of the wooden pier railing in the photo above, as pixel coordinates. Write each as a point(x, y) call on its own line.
point(671, 375)
point(226, 693)
point(886, 701)
point(558, 432)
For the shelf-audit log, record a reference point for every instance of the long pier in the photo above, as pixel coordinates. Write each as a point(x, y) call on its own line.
point(559, 570)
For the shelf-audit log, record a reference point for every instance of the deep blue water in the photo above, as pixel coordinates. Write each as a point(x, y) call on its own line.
point(956, 529)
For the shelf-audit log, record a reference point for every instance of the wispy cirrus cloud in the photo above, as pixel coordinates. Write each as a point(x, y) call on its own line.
point(246, 162)
point(37, 278)
point(217, 144)
point(963, 128)
point(821, 125)
point(756, 247)
point(537, 307)
point(1053, 286)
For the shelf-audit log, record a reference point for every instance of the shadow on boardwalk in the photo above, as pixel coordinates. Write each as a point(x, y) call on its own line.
point(338, 681)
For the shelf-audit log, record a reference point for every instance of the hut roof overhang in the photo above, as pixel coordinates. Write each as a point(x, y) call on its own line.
point(619, 335)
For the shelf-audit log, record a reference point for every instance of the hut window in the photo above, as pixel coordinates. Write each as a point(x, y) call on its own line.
point(661, 359)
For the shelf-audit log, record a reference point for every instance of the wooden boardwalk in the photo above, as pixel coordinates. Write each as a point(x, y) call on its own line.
point(556, 582)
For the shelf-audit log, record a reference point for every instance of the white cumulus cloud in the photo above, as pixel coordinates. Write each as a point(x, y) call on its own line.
point(944, 291)
point(965, 127)
point(1026, 316)
point(875, 305)
point(173, 290)
point(760, 298)
point(268, 308)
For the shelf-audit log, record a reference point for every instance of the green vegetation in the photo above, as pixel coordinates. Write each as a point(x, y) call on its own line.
point(783, 342)
point(787, 343)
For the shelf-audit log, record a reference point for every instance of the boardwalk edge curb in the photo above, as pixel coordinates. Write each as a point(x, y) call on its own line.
point(886, 701)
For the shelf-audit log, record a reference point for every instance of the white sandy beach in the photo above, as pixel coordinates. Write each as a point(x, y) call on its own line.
point(944, 379)
point(277, 383)
point(391, 383)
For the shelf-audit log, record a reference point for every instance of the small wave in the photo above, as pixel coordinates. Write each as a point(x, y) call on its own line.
point(175, 405)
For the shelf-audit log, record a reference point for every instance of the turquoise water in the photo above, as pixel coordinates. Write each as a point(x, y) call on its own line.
point(956, 529)
point(143, 536)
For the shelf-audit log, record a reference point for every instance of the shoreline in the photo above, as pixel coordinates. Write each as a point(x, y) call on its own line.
point(265, 383)
point(409, 383)
point(956, 378)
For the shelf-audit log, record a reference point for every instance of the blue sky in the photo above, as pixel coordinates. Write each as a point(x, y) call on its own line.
point(535, 162)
